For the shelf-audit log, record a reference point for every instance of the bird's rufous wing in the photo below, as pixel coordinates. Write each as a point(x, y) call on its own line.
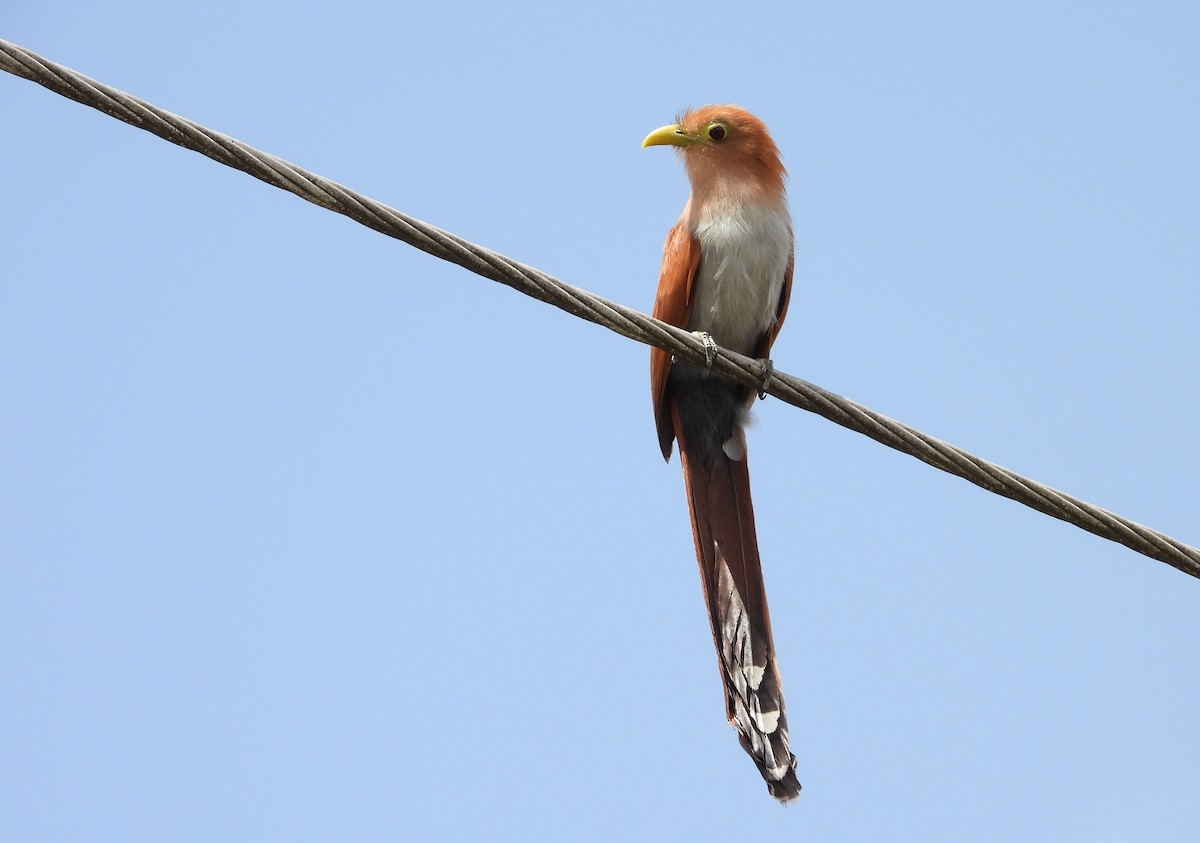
point(673, 305)
point(785, 295)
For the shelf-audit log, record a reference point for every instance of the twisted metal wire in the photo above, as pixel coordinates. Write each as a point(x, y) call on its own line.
point(578, 302)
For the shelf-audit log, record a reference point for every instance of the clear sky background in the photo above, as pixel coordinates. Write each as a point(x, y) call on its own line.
point(305, 535)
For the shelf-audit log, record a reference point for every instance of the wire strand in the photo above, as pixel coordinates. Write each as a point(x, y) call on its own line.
point(625, 321)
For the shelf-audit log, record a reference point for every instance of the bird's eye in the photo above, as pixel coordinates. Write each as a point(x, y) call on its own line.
point(716, 132)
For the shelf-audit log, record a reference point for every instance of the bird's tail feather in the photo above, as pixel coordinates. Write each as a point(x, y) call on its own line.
point(718, 491)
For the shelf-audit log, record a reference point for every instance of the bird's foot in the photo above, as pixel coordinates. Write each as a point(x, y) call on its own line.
point(710, 346)
point(768, 369)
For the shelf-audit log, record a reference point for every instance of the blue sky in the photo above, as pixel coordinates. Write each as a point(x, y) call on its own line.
point(305, 535)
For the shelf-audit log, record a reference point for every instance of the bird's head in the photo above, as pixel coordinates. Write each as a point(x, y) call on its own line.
point(725, 149)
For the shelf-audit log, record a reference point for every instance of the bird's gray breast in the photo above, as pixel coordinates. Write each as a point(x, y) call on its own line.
point(743, 258)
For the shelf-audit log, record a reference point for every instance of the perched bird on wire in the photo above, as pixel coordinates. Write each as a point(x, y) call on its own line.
point(727, 276)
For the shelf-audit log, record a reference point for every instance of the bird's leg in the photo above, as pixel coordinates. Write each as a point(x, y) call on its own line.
point(768, 369)
point(710, 346)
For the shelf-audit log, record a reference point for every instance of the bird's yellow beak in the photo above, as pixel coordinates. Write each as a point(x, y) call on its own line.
point(672, 135)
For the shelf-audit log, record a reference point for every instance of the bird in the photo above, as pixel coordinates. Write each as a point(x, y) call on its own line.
point(727, 277)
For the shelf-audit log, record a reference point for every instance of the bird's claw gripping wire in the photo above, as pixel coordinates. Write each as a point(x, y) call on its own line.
point(768, 369)
point(710, 346)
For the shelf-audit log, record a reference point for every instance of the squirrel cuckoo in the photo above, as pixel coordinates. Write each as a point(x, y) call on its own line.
point(727, 275)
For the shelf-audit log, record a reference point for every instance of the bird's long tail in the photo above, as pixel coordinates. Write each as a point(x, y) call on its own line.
point(718, 491)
